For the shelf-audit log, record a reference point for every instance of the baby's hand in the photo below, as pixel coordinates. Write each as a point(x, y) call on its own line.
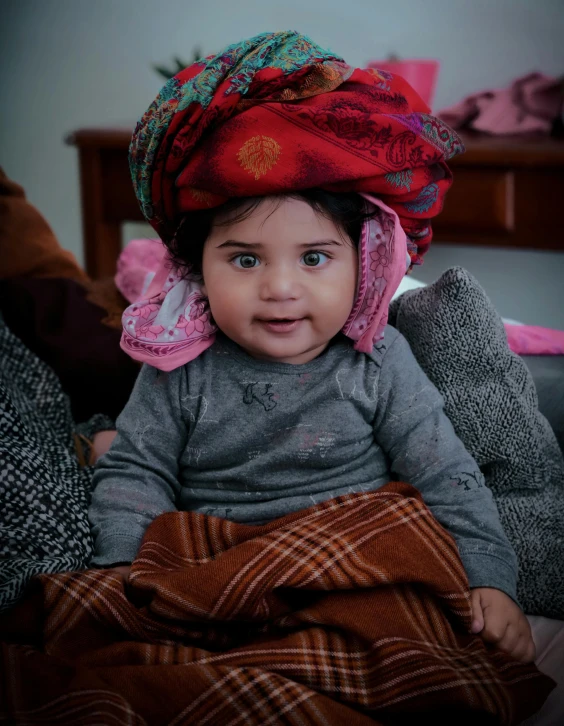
point(501, 622)
point(123, 571)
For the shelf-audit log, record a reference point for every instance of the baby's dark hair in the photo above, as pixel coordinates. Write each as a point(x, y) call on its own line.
point(347, 211)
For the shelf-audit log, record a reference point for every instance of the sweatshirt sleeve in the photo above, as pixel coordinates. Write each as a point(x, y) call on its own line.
point(137, 479)
point(424, 451)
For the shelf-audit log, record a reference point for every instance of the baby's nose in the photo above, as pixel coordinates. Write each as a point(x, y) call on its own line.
point(279, 283)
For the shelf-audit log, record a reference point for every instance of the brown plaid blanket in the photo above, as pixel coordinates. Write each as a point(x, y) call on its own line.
point(354, 612)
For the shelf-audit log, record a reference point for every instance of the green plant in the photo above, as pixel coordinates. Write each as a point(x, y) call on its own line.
point(180, 64)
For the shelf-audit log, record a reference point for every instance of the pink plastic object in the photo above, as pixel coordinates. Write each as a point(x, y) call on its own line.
point(421, 74)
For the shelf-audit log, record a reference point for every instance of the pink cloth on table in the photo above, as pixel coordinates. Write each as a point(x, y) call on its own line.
point(529, 105)
point(532, 340)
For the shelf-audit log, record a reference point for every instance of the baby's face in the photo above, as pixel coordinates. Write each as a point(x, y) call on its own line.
point(282, 282)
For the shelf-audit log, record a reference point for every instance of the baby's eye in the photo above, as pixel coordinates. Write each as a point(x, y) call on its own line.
point(314, 259)
point(245, 261)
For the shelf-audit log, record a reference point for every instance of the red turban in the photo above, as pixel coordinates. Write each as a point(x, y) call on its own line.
point(277, 113)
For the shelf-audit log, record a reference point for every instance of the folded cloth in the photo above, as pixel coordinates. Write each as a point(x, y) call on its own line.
point(531, 104)
point(354, 611)
point(28, 245)
point(277, 113)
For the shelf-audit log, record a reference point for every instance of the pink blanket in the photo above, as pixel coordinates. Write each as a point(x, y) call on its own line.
point(532, 340)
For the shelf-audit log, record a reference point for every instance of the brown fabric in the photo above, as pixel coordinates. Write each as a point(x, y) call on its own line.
point(105, 295)
point(355, 612)
point(70, 322)
point(28, 247)
point(56, 321)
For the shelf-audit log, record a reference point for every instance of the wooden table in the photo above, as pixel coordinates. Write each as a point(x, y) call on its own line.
point(507, 193)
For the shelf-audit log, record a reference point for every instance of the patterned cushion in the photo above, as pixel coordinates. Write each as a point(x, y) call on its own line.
point(44, 492)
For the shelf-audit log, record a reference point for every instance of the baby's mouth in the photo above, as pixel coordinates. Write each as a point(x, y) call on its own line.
point(281, 325)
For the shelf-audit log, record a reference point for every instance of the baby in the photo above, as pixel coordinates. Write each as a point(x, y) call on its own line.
point(281, 412)
point(291, 191)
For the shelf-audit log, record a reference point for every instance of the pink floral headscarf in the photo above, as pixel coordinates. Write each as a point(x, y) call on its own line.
point(172, 323)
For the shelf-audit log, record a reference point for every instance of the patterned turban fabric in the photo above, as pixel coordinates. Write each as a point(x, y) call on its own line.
point(277, 113)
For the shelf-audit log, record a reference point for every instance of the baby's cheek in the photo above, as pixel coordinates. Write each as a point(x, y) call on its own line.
point(336, 301)
point(230, 309)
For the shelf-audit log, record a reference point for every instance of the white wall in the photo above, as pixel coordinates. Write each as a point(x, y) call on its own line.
point(66, 64)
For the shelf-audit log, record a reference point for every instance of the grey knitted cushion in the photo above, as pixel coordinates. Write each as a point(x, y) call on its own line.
point(459, 340)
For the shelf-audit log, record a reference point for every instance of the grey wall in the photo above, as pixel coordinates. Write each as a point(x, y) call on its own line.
point(66, 64)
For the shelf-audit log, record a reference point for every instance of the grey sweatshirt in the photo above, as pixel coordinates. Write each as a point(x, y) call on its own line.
point(249, 440)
